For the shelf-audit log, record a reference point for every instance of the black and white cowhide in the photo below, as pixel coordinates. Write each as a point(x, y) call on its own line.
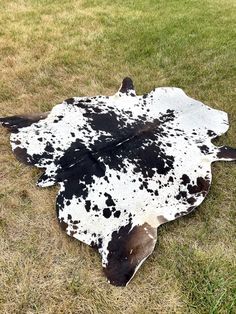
point(125, 165)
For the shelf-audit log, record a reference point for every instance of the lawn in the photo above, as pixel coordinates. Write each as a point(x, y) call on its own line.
point(52, 50)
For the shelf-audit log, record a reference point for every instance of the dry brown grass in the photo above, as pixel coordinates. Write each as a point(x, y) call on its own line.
point(51, 50)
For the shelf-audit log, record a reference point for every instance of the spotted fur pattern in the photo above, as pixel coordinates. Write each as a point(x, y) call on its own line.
point(125, 165)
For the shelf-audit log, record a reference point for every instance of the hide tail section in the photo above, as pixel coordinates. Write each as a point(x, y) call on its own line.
point(127, 250)
point(14, 123)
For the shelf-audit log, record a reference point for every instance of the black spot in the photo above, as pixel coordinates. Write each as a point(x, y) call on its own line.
point(95, 208)
point(170, 179)
point(117, 214)
point(109, 200)
point(202, 185)
point(211, 133)
point(191, 200)
point(106, 212)
point(49, 148)
point(204, 149)
point(88, 205)
point(185, 179)
point(181, 195)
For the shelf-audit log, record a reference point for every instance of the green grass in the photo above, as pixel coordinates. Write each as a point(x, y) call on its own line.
point(52, 50)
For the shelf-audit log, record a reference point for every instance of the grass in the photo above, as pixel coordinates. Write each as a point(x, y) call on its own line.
point(52, 50)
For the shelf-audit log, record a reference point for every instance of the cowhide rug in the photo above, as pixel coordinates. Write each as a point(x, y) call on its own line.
point(125, 165)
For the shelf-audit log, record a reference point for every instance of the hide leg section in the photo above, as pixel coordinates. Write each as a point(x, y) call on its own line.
point(22, 156)
point(14, 123)
point(127, 250)
point(226, 153)
point(127, 87)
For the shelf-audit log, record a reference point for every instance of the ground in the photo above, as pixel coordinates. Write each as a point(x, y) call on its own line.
point(52, 50)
